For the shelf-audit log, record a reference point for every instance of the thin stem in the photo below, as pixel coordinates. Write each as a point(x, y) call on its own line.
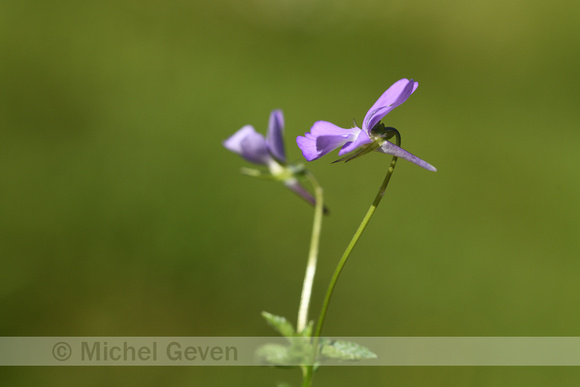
point(312, 256)
point(307, 382)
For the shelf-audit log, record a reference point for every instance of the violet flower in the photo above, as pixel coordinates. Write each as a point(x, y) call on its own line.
point(324, 137)
point(269, 152)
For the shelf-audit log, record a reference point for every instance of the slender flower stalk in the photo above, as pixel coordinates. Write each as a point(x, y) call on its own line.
point(354, 241)
point(312, 255)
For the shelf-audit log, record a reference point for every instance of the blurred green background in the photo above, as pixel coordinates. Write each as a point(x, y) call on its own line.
point(122, 215)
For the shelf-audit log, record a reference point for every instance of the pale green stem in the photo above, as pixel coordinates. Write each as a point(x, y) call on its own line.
point(307, 382)
point(312, 256)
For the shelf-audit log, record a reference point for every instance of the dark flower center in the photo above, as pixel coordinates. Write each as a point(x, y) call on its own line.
point(380, 130)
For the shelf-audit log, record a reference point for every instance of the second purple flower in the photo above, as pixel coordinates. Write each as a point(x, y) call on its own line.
point(268, 151)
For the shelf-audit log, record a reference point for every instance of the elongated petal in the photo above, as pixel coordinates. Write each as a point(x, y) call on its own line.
point(391, 149)
point(249, 144)
point(324, 137)
point(393, 97)
point(294, 185)
point(274, 137)
point(298, 189)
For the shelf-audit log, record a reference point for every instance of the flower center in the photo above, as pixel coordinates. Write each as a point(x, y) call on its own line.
point(382, 132)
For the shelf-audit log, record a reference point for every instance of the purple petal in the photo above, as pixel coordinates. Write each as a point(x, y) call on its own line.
point(326, 144)
point(274, 137)
point(391, 149)
point(324, 137)
point(249, 144)
point(307, 145)
point(361, 139)
point(393, 97)
point(298, 189)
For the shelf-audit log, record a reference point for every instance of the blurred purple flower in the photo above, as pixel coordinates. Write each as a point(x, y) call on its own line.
point(324, 137)
point(252, 146)
point(269, 152)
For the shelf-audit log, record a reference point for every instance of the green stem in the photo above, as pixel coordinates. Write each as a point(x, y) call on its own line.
point(307, 381)
point(312, 256)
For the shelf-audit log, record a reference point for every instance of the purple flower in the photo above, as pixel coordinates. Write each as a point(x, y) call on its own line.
point(252, 146)
point(269, 152)
point(324, 137)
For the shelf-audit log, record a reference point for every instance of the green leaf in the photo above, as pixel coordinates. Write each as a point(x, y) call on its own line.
point(283, 384)
point(345, 350)
point(280, 324)
point(273, 354)
point(286, 356)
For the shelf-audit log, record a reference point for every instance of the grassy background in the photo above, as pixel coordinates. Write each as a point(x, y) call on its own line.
point(121, 213)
